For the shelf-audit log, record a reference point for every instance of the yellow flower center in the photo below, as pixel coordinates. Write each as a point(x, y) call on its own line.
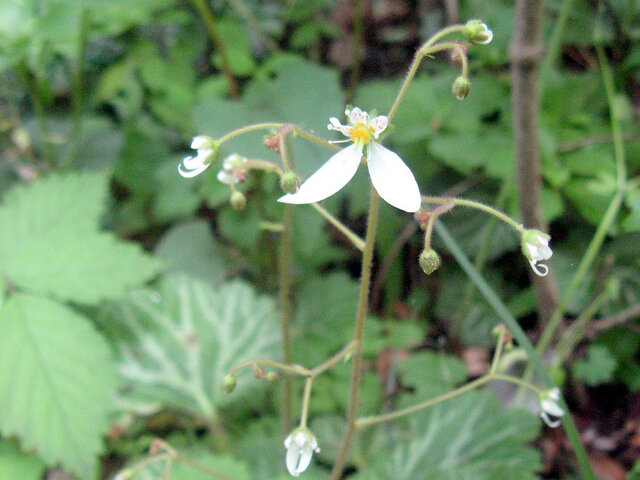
point(361, 134)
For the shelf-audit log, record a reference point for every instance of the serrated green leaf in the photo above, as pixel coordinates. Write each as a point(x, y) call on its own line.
point(469, 438)
point(56, 382)
point(597, 368)
point(85, 268)
point(15, 464)
point(71, 202)
point(178, 342)
point(49, 242)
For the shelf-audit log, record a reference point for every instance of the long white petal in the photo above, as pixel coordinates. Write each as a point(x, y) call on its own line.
point(192, 173)
point(329, 178)
point(392, 179)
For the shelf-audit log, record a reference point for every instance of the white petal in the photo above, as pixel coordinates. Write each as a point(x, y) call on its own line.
point(548, 421)
point(329, 178)
point(379, 124)
point(292, 459)
point(224, 176)
point(358, 117)
point(541, 270)
point(198, 141)
point(305, 459)
point(392, 179)
point(545, 252)
point(552, 408)
point(189, 173)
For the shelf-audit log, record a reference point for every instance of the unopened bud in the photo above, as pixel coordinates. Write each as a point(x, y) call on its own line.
point(477, 32)
point(289, 182)
point(272, 377)
point(238, 201)
point(460, 88)
point(429, 261)
point(229, 383)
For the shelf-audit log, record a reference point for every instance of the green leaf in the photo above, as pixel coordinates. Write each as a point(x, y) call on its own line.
point(221, 464)
point(597, 368)
point(326, 311)
point(178, 342)
point(56, 382)
point(190, 248)
point(71, 202)
point(85, 268)
point(429, 375)
point(15, 464)
point(49, 242)
point(469, 438)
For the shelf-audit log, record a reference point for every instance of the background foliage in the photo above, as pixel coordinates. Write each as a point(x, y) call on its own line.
point(127, 292)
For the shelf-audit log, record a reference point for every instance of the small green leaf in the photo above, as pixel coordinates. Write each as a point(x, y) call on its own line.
point(597, 367)
point(56, 382)
point(177, 343)
point(15, 464)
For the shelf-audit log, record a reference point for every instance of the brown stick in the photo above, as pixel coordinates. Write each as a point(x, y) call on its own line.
point(526, 51)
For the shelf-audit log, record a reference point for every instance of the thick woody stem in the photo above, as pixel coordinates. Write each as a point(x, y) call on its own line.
point(526, 53)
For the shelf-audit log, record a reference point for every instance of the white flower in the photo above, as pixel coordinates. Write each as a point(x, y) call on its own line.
point(535, 246)
point(300, 445)
point(550, 407)
point(232, 170)
point(391, 178)
point(192, 166)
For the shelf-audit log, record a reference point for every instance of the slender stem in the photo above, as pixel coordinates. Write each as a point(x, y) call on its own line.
point(327, 364)
point(31, 85)
point(521, 337)
point(175, 455)
point(290, 368)
point(576, 331)
point(216, 39)
point(553, 47)
point(305, 401)
point(426, 49)
point(585, 263)
point(618, 142)
point(77, 91)
point(313, 138)
point(353, 238)
point(354, 388)
point(478, 206)
point(498, 354)
point(249, 128)
point(284, 286)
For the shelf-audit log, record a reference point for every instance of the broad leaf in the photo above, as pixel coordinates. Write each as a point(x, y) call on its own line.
point(56, 382)
point(469, 438)
point(15, 464)
point(49, 242)
point(176, 344)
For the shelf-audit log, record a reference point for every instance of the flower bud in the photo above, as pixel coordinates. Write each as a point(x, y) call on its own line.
point(289, 182)
point(238, 201)
point(535, 246)
point(229, 383)
point(477, 32)
point(460, 88)
point(429, 261)
point(272, 377)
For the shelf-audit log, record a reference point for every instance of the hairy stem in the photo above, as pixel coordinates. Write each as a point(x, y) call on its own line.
point(216, 39)
point(363, 301)
point(526, 52)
